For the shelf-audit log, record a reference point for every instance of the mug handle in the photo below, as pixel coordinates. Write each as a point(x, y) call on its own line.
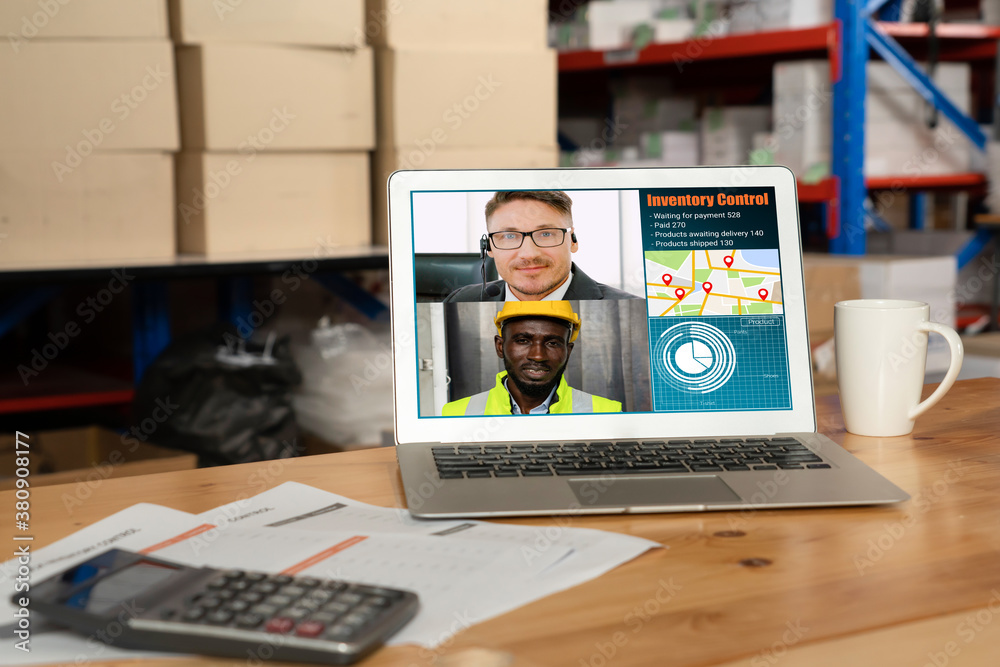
point(957, 353)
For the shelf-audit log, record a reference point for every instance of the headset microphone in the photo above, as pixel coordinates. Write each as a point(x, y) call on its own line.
point(487, 290)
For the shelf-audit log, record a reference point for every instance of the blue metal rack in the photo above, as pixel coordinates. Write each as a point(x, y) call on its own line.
point(859, 32)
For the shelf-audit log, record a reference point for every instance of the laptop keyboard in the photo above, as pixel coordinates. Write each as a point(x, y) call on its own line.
point(623, 458)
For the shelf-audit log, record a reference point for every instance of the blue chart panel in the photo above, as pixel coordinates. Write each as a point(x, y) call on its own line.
point(719, 363)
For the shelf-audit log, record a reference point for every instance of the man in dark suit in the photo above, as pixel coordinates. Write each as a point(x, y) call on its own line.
point(530, 237)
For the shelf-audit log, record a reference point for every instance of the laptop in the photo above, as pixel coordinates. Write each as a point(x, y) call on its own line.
point(687, 385)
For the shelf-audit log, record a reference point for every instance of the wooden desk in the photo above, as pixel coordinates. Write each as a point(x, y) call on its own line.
point(913, 584)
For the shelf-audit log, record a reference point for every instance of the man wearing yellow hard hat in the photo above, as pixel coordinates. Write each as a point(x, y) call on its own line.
point(534, 339)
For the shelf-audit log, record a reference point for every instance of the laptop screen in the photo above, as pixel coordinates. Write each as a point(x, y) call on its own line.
point(592, 301)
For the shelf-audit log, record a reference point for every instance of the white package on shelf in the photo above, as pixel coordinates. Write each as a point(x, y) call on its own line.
point(897, 138)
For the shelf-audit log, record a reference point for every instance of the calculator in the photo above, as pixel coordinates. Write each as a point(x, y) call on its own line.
point(131, 600)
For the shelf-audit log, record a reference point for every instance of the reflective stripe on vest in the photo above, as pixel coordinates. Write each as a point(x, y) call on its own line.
point(581, 401)
point(477, 404)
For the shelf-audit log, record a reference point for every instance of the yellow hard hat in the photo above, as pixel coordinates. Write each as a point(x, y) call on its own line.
point(560, 310)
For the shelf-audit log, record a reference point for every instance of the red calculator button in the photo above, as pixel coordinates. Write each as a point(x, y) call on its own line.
point(280, 625)
point(310, 629)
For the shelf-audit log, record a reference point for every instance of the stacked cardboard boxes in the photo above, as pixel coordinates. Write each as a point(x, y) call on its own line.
point(460, 85)
point(90, 122)
point(897, 139)
point(277, 118)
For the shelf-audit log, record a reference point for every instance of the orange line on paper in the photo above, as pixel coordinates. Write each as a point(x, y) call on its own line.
point(323, 555)
point(204, 528)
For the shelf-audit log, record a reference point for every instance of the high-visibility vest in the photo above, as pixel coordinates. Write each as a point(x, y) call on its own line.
point(496, 401)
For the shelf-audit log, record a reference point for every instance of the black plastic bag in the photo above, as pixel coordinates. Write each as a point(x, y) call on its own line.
point(226, 399)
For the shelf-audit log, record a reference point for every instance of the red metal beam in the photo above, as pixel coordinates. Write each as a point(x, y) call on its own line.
point(943, 181)
point(944, 30)
point(818, 38)
point(65, 401)
point(817, 192)
point(959, 41)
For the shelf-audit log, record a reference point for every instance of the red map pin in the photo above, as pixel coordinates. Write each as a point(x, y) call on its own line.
point(679, 292)
point(707, 287)
point(728, 260)
point(763, 294)
point(667, 278)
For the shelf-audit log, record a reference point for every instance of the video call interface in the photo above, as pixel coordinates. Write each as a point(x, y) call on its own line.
point(695, 321)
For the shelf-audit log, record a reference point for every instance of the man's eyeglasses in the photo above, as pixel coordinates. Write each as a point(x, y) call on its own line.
point(549, 237)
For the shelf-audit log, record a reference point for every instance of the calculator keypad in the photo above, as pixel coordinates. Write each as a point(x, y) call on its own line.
point(305, 607)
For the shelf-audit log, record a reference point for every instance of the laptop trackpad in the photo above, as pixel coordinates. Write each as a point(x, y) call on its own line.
point(636, 491)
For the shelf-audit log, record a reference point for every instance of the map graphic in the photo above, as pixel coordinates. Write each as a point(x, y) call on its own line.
point(691, 283)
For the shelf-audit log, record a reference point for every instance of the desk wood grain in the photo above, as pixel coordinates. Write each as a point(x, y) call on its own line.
point(902, 585)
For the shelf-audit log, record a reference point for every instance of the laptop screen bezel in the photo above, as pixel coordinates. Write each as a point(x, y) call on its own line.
point(411, 428)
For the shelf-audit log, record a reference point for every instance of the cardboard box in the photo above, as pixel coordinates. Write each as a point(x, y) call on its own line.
point(267, 98)
point(483, 24)
point(11, 450)
point(982, 356)
point(72, 98)
point(827, 281)
point(302, 22)
point(975, 280)
point(93, 454)
point(429, 99)
point(24, 20)
point(109, 206)
point(272, 201)
point(983, 345)
point(388, 160)
point(832, 278)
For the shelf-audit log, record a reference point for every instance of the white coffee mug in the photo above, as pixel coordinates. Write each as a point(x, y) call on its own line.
point(881, 355)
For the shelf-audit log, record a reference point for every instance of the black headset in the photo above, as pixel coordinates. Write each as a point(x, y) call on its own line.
point(486, 290)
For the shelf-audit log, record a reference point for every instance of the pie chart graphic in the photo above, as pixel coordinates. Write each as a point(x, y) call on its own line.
point(694, 357)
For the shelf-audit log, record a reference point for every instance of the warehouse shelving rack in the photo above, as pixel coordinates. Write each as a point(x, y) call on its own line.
point(61, 388)
point(845, 42)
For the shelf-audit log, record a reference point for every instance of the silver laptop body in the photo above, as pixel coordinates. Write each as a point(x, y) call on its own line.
point(711, 349)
